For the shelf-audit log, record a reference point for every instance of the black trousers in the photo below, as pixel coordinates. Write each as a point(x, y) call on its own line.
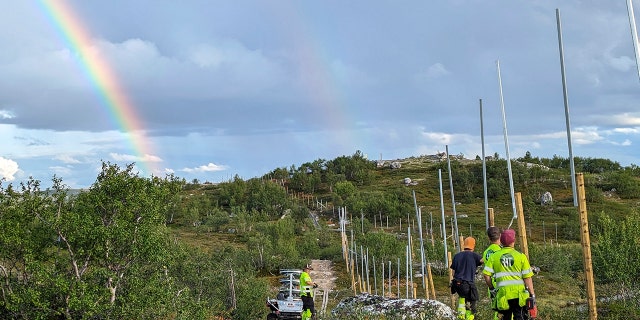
point(307, 303)
point(518, 312)
point(466, 290)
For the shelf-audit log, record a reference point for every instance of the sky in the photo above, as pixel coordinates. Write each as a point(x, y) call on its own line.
point(208, 89)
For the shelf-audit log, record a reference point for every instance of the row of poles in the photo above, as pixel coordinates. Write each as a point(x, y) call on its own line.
point(358, 265)
point(351, 253)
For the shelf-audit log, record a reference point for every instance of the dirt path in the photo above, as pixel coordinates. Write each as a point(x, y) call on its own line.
point(322, 274)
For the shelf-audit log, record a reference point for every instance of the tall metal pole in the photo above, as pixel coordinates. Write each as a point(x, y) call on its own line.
point(375, 277)
point(390, 279)
point(422, 258)
point(484, 171)
point(566, 109)
point(410, 264)
point(444, 228)
point(406, 276)
point(634, 33)
point(399, 271)
point(506, 146)
point(453, 203)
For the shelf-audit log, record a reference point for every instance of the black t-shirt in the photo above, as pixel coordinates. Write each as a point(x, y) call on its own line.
point(464, 265)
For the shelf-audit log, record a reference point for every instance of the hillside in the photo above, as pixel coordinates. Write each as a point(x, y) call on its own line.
point(132, 247)
point(378, 198)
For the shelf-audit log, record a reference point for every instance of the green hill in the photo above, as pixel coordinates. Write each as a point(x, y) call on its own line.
point(161, 248)
point(378, 198)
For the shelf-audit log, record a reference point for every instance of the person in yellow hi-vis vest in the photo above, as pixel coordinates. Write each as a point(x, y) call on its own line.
point(493, 233)
point(306, 293)
point(464, 265)
point(513, 279)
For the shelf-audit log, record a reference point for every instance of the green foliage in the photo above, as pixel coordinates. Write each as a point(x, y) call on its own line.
point(383, 245)
point(105, 254)
point(563, 262)
point(617, 249)
point(626, 185)
point(345, 189)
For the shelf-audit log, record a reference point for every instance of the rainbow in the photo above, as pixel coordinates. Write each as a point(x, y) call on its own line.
point(330, 102)
point(98, 71)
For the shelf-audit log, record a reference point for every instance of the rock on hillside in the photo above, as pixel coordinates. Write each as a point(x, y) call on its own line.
point(373, 305)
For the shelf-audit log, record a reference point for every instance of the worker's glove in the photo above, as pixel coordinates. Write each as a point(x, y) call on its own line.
point(493, 293)
point(315, 285)
point(531, 302)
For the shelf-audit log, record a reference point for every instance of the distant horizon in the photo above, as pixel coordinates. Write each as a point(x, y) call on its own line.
point(201, 181)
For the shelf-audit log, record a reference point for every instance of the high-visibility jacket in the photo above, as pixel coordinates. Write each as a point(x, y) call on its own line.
point(509, 268)
point(305, 289)
point(487, 254)
point(489, 251)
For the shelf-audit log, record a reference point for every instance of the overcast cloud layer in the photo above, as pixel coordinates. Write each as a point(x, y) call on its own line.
point(243, 87)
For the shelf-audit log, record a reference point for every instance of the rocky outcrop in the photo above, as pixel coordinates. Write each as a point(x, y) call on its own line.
point(372, 305)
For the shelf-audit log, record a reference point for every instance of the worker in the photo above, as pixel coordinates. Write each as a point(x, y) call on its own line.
point(464, 265)
point(493, 233)
point(306, 293)
point(513, 279)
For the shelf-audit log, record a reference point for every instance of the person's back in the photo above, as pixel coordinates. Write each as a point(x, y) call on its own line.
point(493, 233)
point(513, 281)
point(509, 267)
point(464, 265)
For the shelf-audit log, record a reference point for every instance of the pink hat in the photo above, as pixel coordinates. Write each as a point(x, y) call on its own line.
point(508, 237)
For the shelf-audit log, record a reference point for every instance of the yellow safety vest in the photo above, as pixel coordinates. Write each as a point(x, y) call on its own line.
point(305, 289)
point(509, 268)
point(493, 248)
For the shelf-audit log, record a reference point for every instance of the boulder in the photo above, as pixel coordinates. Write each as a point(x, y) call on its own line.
point(367, 305)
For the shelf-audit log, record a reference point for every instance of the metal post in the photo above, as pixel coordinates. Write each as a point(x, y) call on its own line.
point(484, 171)
point(566, 108)
point(453, 202)
point(444, 228)
point(634, 33)
point(506, 146)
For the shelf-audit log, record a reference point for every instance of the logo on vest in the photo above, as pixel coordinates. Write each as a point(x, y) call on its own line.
point(507, 260)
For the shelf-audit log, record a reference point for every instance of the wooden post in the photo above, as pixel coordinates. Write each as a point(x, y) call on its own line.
point(586, 248)
point(431, 284)
point(454, 301)
point(353, 279)
point(522, 229)
point(492, 221)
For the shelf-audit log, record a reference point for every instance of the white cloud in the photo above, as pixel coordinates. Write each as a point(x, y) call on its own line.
point(134, 158)
point(438, 137)
point(626, 130)
point(623, 63)
point(8, 168)
point(586, 135)
point(211, 167)
point(65, 158)
point(61, 171)
point(437, 70)
point(6, 114)
point(621, 119)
